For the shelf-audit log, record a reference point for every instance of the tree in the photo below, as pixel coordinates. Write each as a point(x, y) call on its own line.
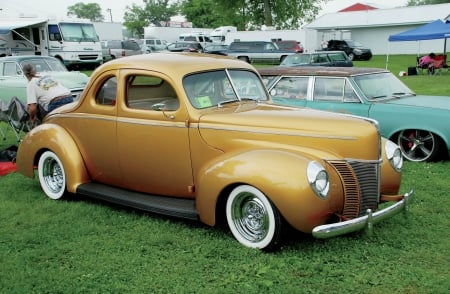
point(426, 2)
point(136, 18)
point(251, 14)
point(91, 11)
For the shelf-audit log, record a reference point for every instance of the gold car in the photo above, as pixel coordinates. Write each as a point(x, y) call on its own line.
point(196, 136)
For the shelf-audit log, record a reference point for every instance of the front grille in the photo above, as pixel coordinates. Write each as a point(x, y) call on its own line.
point(88, 57)
point(361, 185)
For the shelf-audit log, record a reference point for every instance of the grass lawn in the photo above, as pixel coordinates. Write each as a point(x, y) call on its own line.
point(85, 246)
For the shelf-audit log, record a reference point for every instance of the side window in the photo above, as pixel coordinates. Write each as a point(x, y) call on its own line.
point(349, 93)
point(329, 89)
point(150, 93)
point(291, 87)
point(107, 93)
point(11, 69)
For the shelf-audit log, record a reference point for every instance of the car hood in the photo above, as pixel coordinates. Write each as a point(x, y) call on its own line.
point(302, 128)
point(72, 79)
point(422, 101)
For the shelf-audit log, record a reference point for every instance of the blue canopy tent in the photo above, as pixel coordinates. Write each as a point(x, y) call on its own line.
point(437, 29)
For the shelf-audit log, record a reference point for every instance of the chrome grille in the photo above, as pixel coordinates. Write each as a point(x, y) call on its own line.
point(361, 185)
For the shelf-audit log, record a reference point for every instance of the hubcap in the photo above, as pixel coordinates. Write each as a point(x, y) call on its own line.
point(250, 217)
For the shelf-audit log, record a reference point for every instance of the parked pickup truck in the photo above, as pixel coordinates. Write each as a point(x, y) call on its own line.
point(258, 51)
point(122, 48)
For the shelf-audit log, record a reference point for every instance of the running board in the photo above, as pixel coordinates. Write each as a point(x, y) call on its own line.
point(176, 207)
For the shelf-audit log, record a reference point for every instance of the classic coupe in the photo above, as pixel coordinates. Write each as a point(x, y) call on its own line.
point(419, 124)
point(13, 82)
point(195, 136)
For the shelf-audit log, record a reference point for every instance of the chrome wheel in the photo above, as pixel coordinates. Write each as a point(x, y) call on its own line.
point(418, 145)
point(252, 218)
point(52, 176)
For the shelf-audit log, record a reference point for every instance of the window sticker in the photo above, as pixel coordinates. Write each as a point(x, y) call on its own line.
point(203, 101)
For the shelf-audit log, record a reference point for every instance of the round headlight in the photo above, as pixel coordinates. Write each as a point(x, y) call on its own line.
point(394, 155)
point(318, 179)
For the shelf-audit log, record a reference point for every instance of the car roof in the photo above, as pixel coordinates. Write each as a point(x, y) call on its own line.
point(19, 58)
point(176, 63)
point(319, 71)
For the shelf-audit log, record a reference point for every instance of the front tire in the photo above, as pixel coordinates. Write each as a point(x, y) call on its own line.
point(52, 175)
point(419, 145)
point(253, 220)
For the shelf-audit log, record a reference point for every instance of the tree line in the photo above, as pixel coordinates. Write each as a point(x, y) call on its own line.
point(243, 14)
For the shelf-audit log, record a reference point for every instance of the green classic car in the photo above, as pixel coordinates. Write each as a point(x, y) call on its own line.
point(13, 82)
point(419, 124)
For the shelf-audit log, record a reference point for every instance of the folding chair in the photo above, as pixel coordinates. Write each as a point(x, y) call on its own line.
point(3, 117)
point(16, 117)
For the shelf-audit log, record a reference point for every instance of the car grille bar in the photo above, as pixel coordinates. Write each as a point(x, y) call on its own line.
point(88, 57)
point(361, 186)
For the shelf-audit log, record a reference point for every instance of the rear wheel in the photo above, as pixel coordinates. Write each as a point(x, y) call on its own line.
point(52, 176)
point(254, 221)
point(351, 56)
point(419, 145)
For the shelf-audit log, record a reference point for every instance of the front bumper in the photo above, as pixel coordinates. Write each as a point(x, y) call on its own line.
point(366, 221)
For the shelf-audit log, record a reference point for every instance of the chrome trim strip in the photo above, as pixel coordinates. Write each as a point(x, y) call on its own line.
point(287, 133)
point(366, 221)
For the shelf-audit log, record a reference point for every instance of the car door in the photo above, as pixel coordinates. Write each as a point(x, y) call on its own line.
point(336, 94)
point(153, 144)
point(12, 82)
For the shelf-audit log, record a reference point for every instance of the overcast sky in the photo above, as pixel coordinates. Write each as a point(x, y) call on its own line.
point(58, 8)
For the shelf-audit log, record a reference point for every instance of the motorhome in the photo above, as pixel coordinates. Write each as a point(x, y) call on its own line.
point(74, 41)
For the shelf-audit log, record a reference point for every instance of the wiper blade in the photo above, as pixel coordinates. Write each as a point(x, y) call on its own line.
point(221, 103)
point(380, 96)
point(399, 94)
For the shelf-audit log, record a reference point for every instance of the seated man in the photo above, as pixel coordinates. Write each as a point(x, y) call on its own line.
point(45, 91)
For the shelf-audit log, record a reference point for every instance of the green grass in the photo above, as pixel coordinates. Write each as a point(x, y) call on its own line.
point(85, 246)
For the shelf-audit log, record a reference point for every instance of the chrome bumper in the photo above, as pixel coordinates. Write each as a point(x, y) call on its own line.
point(366, 221)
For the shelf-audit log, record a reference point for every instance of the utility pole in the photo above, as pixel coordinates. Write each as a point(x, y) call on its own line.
point(110, 13)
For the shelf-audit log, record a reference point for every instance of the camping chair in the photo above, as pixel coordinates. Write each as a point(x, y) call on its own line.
point(440, 62)
point(16, 118)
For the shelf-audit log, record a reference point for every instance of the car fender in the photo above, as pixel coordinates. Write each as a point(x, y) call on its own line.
point(279, 174)
point(56, 139)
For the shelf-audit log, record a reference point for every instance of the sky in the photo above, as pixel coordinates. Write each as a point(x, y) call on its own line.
point(58, 8)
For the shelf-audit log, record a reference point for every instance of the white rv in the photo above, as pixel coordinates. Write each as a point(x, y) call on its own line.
point(74, 42)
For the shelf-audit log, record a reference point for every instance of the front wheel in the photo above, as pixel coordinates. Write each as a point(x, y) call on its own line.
point(254, 221)
point(351, 56)
point(419, 145)
point(52, 176)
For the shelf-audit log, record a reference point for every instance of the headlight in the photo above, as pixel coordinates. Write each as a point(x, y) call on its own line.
point(394, 155)
point(318, 179)
point(358, 51)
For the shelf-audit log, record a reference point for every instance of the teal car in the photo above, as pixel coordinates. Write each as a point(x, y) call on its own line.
point(419, 124)
point(13, 82)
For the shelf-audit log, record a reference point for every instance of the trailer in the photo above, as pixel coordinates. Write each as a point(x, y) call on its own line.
point(73, 41)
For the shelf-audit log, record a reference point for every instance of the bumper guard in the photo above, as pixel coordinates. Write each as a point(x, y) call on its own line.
point(366, 221)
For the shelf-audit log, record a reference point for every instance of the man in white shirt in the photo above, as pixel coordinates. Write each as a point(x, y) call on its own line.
point(45, 91)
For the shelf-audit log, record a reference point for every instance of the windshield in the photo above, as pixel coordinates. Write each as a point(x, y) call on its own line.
point(353, 43)
point(382, 86)
point(78, 32)
point(210, 89)
point(44, 64)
